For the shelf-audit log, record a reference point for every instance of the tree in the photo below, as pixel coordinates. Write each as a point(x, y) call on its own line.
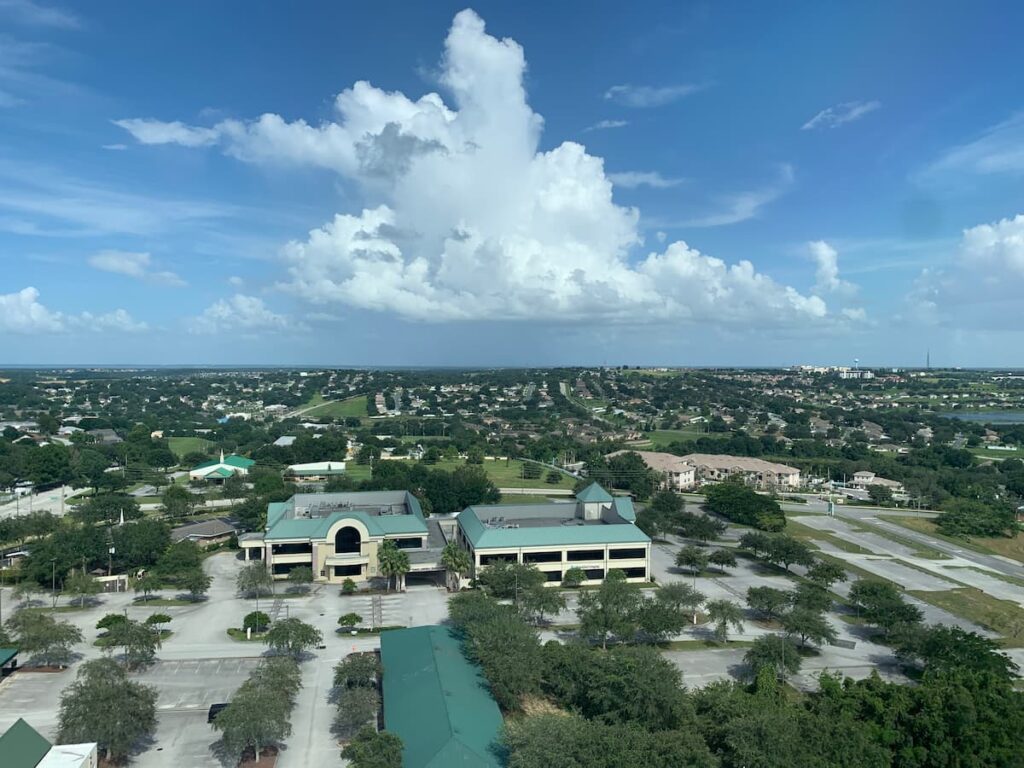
point(25, 591)
point(682, 597)
point(103, 705)
point(966, 517)
point(692, 558)
point(609, 612)
point(573, 577)
point(879, 494)
point(456, 563)
point(825, 573)
point(148, 583)
point(786, 551)
point(177, 501)
point(775, 652)
point(942, 649)
point(300, 577)
point(881, 604)
point(348, 586)
point(257, 621)
point(139, 642)
point(662, 515)
point(111, 620)
point(254, 580)
point(157, 619)
point(47, 640)
point(724, 614)
point(293, 637)
point(744, 505)
point(808, 624)
point(355, 708)
point(755, 542)
point(350, 620)
point(812, 597)
point(768, 601)
point(82, 585)
point(257, 717)
point(393, 562)
point(722, 558)
point(179, 558)
point(509, 580)
point(373, 749)
point(357, 670)
point(701, 527)
point(535, 603)
point(196, 583)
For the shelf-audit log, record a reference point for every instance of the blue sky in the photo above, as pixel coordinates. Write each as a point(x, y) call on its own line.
point(512, 184)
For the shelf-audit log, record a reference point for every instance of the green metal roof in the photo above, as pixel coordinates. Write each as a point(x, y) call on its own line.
point(594, 493)
point(280, 526)
point(6, 654)
point(22, 746)
point(220, 472)
point(483, 537)
point(437, 701)
point(234, 460)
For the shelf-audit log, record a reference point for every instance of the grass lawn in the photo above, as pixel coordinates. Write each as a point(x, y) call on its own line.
point(1001, 545)
point(154, 601)
point(353, 407)
point(703, 645)
point(239, 634)
point(509, 474)
point(183, 445)
point(972, 604)
point(661, 438)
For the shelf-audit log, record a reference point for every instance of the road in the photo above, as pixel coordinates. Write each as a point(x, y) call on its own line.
point(47, 501)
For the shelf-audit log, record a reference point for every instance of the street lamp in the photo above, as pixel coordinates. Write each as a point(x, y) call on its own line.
point(53, 582)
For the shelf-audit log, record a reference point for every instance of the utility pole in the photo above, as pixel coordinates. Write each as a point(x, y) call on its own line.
point(53, 581)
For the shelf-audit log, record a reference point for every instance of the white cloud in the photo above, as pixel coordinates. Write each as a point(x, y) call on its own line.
point(645, 96)
point(137, 265)
point(236, 281)
point(997, 248)
point(22, 312)
point(857, 314)
point(147, 131)
point(745, 205)
point(826, 259)
point(442, 241)
point(840, 114)
point(242, 314)
point(115, 147)
point(1000, 149)
point(28, 12)
point(634, 179)
point(603, 125)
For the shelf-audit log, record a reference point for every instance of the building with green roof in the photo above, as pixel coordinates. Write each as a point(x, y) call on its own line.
point(338, 534)
point(218, 471)
point(437, 701)
point(22, 746)
point(595, 533)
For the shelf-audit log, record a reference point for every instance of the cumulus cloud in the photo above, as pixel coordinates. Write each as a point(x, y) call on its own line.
point(646, 96)
point(137, 265)
point(826, 259)
point(239, 313)
point(603, 125)
point(997, 248)
point(469, 220)
point(148, 131)
point(22, 312)
point(840, 114)
point(634, 179)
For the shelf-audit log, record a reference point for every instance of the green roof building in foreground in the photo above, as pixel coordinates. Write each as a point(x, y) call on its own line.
point(22, 746)
point(595, 533)
point(437, 701)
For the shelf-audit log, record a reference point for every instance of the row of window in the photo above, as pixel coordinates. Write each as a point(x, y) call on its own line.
point(597, 574)
point(572, 556)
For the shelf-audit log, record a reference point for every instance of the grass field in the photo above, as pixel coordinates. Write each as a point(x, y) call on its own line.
point(504, 475)
point(662, 438)
point(972, 604)
point(353, 407)
point(1002, 545)
point(181, 446)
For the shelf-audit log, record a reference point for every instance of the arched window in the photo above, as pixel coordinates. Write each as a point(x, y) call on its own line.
point(346, 541)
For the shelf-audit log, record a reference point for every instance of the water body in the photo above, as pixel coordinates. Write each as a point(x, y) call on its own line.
point(987, 417)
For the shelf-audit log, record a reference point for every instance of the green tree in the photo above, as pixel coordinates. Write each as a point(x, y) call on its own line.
point(881, 604)
point(257, 621)
point(786, 551)
point(293, 637)
point(300, 577)
point(681, 597)
point(177, 501)
point(148, 583)
point(254, 580)
point(768, 601)
point(393, 563)
point(703, 527)
point(722, 559)
point(82, 585)
point(808, 624)
point(350, 620)
point(777, 653)
point(138, 642)
point(509, 580)
point(573, 577)
point(348, 586)
point(257, 717)
point(539, 601)
point(724, 614)
point(693, 558)
point(103, 705)
point(611, 611)
point(745, 506)
point(456, 562)
point(812, 597)
point(47, 641)
point(357, 670)
point(373, 749)
point(195, 582)
point(356, 707)
point(942, 649)
point(179, 558)
point(755, 542)
point(826, 574)
point(880, 495)
point(966, 517)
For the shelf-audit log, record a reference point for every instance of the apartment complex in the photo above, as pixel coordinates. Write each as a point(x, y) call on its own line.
point(596, 533)
point(676, 473)
point(758, 473)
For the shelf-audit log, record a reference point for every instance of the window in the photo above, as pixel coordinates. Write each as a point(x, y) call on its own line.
point(303, 548)
point(409, 542)
point(635, 573)
point(595, 574)
point(283, 569)
point(346, 541)
point(577, 555)
point(348, 570)
point(542, 557)
point(627, 554)
point(553, 575)
point(492, 559)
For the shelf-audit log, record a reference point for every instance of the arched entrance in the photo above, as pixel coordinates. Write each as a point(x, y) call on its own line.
point(347, 541)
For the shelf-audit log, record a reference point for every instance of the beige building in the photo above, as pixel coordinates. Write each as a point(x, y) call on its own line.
point(676, 473)
point(761, 474)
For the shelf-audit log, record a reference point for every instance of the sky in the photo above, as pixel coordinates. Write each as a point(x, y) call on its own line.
point(575, 183)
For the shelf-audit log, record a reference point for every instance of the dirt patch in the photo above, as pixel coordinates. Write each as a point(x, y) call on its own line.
point(42, 669)
point(267, 759)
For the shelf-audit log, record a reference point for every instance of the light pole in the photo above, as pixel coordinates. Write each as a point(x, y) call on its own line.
point(53, 581)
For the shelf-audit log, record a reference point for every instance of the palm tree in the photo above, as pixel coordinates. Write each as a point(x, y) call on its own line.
point(456, 562)
point(724, 614)
point(693, 558)
point(393, 562)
